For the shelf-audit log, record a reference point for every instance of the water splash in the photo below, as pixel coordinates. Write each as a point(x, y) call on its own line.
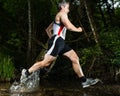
point(31, 85)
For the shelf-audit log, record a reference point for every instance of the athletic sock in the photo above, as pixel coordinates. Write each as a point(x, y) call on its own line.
point(83, 79)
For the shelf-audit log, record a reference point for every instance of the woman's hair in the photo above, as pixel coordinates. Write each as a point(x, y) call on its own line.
point(62, 3)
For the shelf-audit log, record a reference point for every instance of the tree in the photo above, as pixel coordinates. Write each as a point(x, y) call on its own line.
point(91, 18)
point(29, 33)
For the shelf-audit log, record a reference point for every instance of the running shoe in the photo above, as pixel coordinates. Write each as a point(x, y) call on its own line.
point(89, 82)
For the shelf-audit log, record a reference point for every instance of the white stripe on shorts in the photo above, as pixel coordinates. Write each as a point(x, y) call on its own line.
point(53, 45)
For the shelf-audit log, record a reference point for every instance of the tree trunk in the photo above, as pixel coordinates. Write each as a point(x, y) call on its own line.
point(29, 34)
point(91, 19)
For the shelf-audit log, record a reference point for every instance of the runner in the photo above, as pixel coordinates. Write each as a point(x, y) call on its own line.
point(57, 46)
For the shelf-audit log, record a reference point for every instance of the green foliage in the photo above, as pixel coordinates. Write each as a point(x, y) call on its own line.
point(7, 68)
point(13, 40)
point(89, 53)
point(110, 40)
point(15, 7)
point(14, 32)
point(54, 9)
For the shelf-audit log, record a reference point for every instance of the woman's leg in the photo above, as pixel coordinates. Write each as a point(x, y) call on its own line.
point(45, 62)
point(75, 62)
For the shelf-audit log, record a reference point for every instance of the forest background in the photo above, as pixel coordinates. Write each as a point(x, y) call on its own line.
point(23, 39)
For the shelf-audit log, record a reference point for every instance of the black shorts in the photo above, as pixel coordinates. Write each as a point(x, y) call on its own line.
point(57, 46)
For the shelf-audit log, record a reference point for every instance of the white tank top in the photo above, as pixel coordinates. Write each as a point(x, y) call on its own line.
point(59, 29)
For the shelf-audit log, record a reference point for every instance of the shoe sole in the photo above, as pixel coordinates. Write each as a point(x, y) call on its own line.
point(96, 81)
point(86, 86)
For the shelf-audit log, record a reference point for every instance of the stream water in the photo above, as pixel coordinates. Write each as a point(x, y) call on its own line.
point(66, 89)
point(47, 90)
point(54, 87)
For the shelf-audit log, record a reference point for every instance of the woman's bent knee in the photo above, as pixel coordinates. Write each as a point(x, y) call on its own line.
point(75, 59)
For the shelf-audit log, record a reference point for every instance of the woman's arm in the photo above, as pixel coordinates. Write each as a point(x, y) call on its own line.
point(49, 30)
point(68, 24)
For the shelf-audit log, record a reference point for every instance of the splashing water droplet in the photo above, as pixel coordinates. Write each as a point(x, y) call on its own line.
point(30, 85)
